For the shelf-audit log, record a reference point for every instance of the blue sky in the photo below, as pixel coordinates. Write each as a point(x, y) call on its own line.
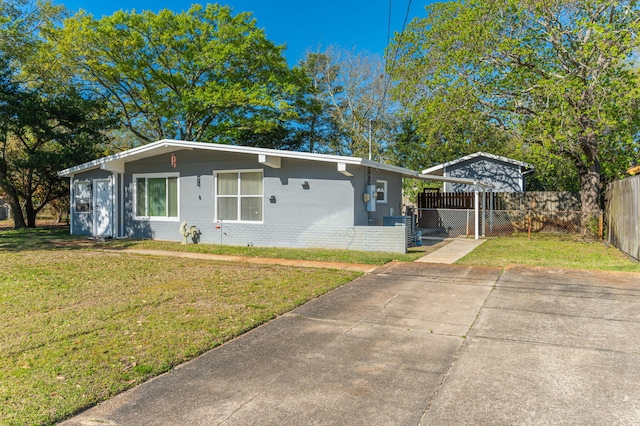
point(300, 24)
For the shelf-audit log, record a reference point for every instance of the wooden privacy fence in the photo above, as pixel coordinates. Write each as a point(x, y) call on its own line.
point(622, 213)
point(534, 200)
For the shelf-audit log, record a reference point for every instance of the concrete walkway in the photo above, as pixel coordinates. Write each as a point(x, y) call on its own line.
point(456, 249)
point(420, 344)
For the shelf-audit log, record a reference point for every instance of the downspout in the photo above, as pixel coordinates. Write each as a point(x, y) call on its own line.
point(121, 222)
point(114, 204)
point(526, 172)
point(71, 203)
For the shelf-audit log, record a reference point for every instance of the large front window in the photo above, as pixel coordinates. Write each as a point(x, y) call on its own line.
point(239, 196)
point(156, 196)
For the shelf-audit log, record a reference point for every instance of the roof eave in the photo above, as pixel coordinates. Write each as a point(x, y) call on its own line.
point(117, 161)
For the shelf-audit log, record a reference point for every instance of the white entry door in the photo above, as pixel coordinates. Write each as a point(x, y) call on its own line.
point(102, 208)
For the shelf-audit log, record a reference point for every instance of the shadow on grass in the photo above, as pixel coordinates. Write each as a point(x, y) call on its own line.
point(42, 238)
point(51, 236)
point(58, 238)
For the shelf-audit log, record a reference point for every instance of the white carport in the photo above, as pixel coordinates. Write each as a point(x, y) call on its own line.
point(478, 186)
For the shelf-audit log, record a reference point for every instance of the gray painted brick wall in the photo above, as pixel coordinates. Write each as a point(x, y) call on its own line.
point(364, 238)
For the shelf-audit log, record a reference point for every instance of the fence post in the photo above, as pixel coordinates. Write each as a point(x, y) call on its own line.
point(491, 207)
point(467, 222)
point(476, 206)
point(601, 226)
point(484, 211)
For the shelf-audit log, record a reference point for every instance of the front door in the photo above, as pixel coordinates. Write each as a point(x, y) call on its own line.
point(102, 208)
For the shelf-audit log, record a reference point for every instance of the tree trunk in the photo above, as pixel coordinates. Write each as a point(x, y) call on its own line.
point(16, 211)
point(30, 213)
point(590, 173)
point(590, 190)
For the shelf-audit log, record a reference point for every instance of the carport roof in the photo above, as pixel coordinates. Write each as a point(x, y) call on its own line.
point(438, 170)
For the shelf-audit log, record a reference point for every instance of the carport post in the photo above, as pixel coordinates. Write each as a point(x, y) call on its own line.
point(484, 211)
point(491, 207)
point(476, 211)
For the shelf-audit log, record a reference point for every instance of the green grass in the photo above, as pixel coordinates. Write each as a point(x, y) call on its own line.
point(78, 326)
point(347, 256)
point(33, 238)
point(550, 250)
point(55, 237)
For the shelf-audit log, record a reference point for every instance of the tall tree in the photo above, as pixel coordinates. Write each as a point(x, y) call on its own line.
point(349, 101)
point(20, 25)
point(204, 74)
point(45, 124)
point(319, 131)
point(553, 74)
point(40, 135)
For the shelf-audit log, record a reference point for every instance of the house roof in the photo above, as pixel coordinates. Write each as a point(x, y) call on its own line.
point(438, 170)
point(269, 157)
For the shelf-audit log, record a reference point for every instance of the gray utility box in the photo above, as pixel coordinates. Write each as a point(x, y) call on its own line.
point(399, 220)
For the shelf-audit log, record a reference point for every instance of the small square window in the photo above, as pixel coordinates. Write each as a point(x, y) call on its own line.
point(82, 196)
point(381, 191)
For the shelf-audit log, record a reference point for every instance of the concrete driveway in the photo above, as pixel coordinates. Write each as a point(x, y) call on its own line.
point(418, 344)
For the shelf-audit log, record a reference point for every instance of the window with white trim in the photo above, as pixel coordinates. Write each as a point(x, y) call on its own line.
point(239, 196)
point(156, 195)
point(381, 191)
point(82, 196)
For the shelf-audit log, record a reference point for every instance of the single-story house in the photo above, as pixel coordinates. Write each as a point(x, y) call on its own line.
point(502, 173)
point(238, 195)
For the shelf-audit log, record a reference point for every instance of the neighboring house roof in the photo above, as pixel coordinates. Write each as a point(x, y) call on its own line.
point(440, 168)
point(269, 157)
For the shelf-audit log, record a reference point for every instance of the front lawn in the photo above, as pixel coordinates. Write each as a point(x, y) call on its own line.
point(326, 255)
point(57, 236)
point(79, 326)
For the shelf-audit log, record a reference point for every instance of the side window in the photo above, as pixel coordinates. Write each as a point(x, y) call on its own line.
point(239, 196)
point(156, 196)
point(381, 191)
point(82, 196)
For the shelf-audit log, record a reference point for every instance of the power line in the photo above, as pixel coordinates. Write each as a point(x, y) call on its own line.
point(395, 51)
point(389, 22)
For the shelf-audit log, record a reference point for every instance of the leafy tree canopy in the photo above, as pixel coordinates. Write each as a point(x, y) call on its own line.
point(203, 74)
point(20, 24)
point(348, 106)
point(553, 77)
point(41, 134)
point(46, 124)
